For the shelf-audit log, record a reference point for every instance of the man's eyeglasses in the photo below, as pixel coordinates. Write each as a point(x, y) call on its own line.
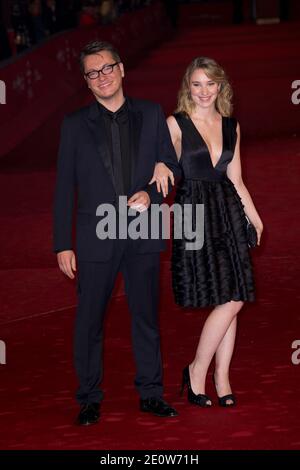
point(106, 70)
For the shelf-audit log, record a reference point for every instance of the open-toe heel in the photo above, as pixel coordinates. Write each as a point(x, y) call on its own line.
point(223, 400)
point(201, 399)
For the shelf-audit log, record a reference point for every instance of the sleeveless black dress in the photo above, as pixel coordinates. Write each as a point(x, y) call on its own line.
point(221, 270)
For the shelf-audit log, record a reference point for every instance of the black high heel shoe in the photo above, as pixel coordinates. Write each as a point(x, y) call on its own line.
point(223, 400)
point(200, 399)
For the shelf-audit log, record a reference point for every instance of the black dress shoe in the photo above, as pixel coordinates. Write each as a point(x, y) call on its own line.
point(89, 414)
point(158, 407)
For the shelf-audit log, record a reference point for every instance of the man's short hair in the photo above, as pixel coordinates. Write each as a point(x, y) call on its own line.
point(95, 47)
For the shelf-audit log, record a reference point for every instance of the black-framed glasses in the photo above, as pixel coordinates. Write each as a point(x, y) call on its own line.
point(106, 70)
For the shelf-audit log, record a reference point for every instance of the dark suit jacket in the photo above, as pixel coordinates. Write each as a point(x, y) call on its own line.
point(84, 168)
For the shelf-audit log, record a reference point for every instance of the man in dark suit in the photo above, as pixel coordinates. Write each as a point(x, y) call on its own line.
point(107, 150)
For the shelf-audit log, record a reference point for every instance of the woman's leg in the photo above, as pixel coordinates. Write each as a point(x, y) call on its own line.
point(223, 359)
point(213, 332)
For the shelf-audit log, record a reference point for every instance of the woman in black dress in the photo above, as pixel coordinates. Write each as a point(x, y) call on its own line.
point(207, 142)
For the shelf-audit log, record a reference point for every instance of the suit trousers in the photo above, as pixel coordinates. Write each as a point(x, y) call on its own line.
point(95, 284)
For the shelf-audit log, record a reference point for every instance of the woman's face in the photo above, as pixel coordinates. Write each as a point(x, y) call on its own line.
point(204, 91)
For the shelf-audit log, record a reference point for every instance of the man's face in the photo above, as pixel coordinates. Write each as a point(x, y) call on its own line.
point(105, 86)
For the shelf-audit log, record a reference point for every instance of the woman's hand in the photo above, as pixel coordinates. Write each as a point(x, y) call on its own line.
point(259, 229)
point(161, 177)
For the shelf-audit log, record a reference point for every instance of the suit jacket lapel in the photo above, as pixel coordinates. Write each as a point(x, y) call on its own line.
point(136, 123)
point(96, 125)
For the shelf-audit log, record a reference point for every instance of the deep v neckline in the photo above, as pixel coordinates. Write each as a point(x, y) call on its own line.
point(204, 141)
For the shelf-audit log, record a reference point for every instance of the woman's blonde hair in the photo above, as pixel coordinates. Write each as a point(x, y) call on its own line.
point(214, 72)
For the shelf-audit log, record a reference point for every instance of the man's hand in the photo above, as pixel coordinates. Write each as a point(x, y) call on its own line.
point(139, 201)
point(67, 262)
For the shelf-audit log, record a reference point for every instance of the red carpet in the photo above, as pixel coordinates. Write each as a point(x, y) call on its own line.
point(37, 408)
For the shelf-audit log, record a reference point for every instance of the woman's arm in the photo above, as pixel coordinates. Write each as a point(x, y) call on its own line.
point(234, 173)
point(162, 173)
point(175, 133)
